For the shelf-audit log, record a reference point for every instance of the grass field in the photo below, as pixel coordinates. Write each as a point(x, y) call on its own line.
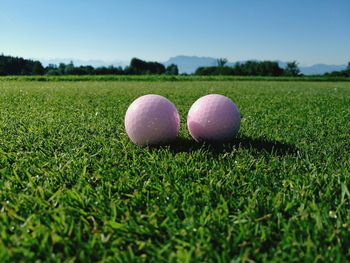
point(160, 78)
point(74, 188)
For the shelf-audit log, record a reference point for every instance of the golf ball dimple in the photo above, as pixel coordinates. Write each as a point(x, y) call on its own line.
point(213, 118)
point(151, 120)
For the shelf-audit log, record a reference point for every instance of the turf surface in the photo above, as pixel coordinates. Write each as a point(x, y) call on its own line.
point(74, 188)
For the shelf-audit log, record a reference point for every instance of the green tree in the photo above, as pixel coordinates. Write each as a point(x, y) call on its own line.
point(138, 67)
point(221, 62)
point(19, 66)
point(172, 70)
point(53, 72)
point(292, 69)
point(61, 68)
point(38, 68)
point(69, 69)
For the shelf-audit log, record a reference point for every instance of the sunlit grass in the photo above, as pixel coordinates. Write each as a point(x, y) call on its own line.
point(73, 187)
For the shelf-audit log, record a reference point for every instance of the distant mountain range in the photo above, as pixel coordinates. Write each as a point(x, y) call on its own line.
point(188, 64)
point(79, 62)
point(319, 69)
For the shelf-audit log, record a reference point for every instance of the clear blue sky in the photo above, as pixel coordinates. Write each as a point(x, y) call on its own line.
point(309, 31)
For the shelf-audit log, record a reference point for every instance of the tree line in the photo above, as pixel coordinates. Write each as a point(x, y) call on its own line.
point(341, 73)
point(250, 68)
point(19, 66)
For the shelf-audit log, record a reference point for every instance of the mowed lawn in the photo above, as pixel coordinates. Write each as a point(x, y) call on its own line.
point(74, 188)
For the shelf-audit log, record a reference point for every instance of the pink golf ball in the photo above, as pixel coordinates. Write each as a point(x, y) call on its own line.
point(213, 118)
point(152, 120)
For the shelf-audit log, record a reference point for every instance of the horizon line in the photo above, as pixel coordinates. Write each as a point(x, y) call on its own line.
point(126, 61)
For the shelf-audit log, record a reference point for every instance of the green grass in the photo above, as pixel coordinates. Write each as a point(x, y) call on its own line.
point(169, 78)
point(74, 188)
